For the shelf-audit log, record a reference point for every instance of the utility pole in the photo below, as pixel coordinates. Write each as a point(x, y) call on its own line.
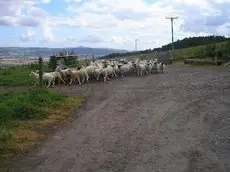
point(136, 44)
point(172, 18)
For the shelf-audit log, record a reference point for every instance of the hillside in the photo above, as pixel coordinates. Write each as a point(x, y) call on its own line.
point(187, 48)
point(40, 51)
point(193, 42)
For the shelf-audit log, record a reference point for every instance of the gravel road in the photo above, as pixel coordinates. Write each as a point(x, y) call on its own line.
point(178, 121)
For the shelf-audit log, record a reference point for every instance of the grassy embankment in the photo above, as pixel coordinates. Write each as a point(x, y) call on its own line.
point(26, 116)
point(196, 54)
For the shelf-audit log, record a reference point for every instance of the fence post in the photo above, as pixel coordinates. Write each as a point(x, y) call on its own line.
point(93, 58)
point(40, 67)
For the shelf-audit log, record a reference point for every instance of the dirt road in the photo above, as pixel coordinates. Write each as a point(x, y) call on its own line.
point(178, 121)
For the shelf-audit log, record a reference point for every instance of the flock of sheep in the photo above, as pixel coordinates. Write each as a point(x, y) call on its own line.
point(100, 69)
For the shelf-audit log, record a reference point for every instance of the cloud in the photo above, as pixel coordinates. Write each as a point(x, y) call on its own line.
point(91, 38)
point(28, 35)
point(116, 23)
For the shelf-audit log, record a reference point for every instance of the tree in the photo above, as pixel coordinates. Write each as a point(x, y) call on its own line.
point(52, 63)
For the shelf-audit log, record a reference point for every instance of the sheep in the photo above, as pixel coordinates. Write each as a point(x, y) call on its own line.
point(64, 72)
point(108, 70)
point(140, 67)
point(56, 75)
point(155, 67)
point(161, 67)
point(149, 68)
point(46, 77)
point(81, 72)
point(125, 68)
point(84, 75)
point(92, 72)
point(74, 74)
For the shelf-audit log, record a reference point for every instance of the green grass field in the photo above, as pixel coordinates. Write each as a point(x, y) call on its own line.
point(16, 77)
point(23, 113)
point(193, 51)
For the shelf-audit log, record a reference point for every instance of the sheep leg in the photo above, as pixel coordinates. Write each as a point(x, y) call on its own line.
point(59, 81)
point(87, 78)
point(78, 78)
point(48, 85)
point(83, 80)
point(105, 77)
point(53, 83)
point(115, 74)
point(35, 83)
point(71, 81)
point(98, 77)
point(62, 80)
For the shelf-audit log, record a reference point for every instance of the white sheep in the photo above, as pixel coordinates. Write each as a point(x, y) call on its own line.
point(141, 68)
point(125, 68)
point(47, 77)
point(56, 75)
point(82, 72)
point(74, 74)
point(161, 67)
point(64, 72)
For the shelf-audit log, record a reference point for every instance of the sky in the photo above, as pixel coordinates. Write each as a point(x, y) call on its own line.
point(109, 23)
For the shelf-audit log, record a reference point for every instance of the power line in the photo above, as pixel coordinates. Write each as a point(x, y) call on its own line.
point(172, 18)
point(136, 44)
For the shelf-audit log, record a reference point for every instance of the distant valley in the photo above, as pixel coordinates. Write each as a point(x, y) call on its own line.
point(26, 52)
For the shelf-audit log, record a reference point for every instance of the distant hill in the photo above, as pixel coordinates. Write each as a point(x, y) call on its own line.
point(44, 52)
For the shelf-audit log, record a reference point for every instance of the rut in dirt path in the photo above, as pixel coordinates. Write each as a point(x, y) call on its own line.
point(176, 121)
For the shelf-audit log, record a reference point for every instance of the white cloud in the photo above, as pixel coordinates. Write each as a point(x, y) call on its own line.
point(27, 35)
point(118, 23)
point(91, 38)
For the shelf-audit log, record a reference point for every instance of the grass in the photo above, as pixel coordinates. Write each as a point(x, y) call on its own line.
point(26, 116)
point(193, 51)
point(16, 77)
point(19, 75)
